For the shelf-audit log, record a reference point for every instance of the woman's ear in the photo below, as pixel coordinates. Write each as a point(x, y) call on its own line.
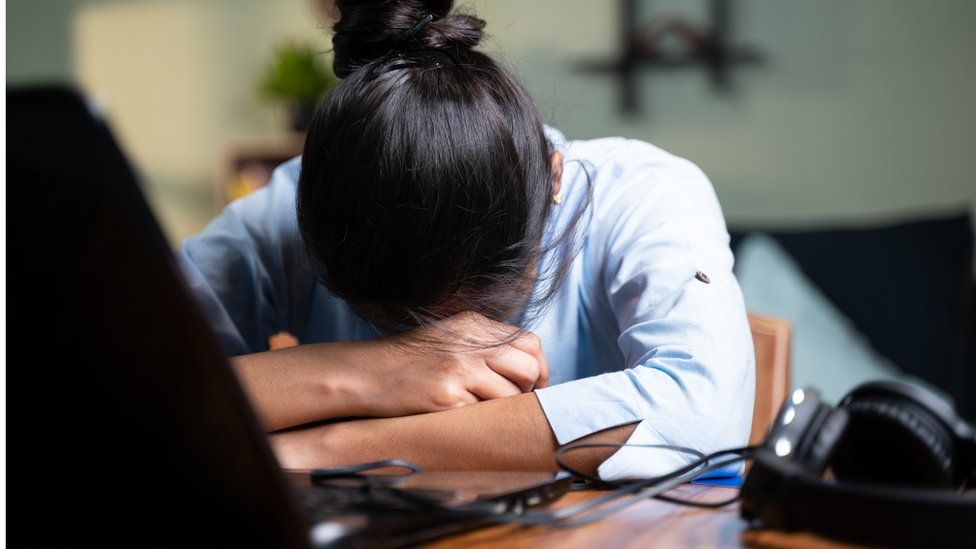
point(556, 161)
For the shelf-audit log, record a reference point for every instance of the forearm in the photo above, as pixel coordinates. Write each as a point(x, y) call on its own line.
point(504, 434)
point(391, 376)
point(303, 384)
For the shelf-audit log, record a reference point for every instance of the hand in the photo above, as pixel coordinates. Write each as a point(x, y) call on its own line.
point(456, 362)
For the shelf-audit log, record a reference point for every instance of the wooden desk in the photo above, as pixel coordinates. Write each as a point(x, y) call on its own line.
point(650, 523)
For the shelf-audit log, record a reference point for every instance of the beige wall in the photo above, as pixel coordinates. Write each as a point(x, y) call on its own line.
point(178, 78)
point(864, 111)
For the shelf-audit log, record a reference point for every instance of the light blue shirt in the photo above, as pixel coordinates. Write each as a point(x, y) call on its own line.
point(632, 336)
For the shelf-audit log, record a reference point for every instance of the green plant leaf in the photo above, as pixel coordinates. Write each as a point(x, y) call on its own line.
point(297, 73)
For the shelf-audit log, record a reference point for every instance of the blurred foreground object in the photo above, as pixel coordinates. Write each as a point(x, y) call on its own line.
point(137, 434)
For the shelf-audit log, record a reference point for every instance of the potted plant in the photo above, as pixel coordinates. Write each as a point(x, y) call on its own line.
point(298, 75)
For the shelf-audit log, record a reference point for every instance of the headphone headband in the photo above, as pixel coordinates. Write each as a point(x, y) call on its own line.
point(934, 404)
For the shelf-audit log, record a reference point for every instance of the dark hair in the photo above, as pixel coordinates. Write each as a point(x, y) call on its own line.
point(425, 191)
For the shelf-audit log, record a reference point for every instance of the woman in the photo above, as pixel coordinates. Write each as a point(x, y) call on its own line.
point(468, 286)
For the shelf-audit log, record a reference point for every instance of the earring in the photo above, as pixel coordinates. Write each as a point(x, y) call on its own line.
point(557, 199)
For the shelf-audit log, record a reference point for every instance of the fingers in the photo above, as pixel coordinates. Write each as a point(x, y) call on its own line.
point(487, 385)
point(532, 344)
point(483, 329)
point(515, 365)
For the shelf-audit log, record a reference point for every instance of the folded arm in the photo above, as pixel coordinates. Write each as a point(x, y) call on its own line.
point(509, 434)
point(391, 376)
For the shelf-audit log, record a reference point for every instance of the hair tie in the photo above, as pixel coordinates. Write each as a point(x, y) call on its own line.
point(416, 28)
point(419, 58)
point(412, 59)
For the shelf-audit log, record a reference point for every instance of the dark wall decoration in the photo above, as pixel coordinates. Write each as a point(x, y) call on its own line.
point(668, 42)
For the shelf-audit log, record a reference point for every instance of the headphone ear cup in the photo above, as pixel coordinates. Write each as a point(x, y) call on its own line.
point(891, 439)
point(825, 440)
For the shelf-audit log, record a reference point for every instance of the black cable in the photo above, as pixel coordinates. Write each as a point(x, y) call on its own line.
point(597, 481)
point(619, 496)
point(658, 485)
point(612, 502)
point(743, 453)
point(702, 504)
point(357, 471)
point(625, 495)
point(654, 491)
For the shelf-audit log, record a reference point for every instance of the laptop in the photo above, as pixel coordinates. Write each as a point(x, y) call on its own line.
point(126, 425)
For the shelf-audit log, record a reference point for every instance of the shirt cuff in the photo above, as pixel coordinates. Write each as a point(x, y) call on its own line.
point(579, 408)
point(584, 406)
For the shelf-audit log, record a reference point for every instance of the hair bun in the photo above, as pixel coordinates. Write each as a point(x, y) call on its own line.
point(369, 29)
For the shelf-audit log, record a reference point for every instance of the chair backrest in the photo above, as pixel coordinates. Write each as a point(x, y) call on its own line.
point(771, 338)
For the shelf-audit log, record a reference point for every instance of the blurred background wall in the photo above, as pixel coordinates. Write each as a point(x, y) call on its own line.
point(862, 112)
point(176, 78)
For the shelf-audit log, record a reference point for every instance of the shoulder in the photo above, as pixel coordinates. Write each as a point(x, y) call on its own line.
point(277, 197)
point(630, 171)
point(619, 154)
point(652, 211)
point(636, 188)
point(266, 215)
point(263, 221)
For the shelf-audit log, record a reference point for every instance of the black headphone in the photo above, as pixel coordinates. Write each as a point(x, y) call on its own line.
point(901, 462)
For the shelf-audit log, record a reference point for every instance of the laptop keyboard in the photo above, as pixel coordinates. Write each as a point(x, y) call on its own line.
point(320, 502)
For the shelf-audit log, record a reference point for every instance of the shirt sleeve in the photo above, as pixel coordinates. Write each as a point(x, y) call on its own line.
point(688, 377)
point(238, 266)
